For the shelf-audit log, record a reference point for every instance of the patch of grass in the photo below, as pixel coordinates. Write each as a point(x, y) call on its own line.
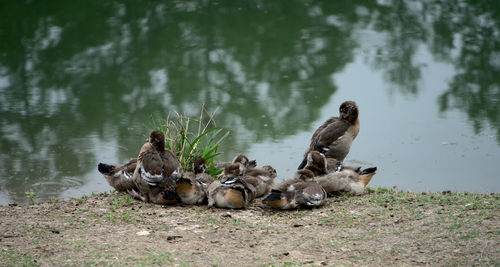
point(121, 200)
point(15, 257)
point(191, 138)
point(470, 235)
point(212, 220)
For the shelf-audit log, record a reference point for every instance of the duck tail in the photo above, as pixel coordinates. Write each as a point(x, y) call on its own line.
point(105, 168)
point(252, 163)
point(367, 174)
point(274, 195)
point(302, 164)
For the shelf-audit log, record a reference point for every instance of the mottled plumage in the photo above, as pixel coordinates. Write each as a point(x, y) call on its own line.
point(192, 188)
point(300, 191)
point(156, 172)
point(346, 180)
point(119, 176)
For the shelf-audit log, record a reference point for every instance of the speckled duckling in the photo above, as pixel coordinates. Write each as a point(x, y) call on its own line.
point(346, 180)
point(303, 190)
point(261, 178)
point(230, 190)
point(192, 187)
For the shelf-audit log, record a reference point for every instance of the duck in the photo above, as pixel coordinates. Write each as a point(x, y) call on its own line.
point(261, 178)
point(230, 190)
point(335, 136)
point(199, 168)
point(156, 171)
point(302, 190)
point(192, 187)
point(119, 176)
point(316, 163)
point(243, 160)
point(346, 180)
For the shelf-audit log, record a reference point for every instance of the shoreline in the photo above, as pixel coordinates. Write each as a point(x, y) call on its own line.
point(382, 226)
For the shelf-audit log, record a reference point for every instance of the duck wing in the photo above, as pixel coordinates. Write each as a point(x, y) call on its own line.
point(329, 132)
point(151, 168)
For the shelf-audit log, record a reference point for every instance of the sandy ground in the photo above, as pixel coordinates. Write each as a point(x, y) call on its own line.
point(383, 227)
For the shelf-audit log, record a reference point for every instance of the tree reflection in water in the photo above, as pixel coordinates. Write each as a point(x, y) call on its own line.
point(74, 75)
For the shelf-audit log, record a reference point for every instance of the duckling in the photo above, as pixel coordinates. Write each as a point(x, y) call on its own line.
point(300, 191)
point(335, 136)
point(156, 172)
point(118, 176)
point(346, 180)
point(316, 163)
point(192, 187)
point(230, 191)
point(242, 160)
point(262, 179)
point(199, 168)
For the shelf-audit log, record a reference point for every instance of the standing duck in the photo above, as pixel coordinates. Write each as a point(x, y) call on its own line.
point(300, 191)
point(346, 180)
point(334, 137)
point(156, 172)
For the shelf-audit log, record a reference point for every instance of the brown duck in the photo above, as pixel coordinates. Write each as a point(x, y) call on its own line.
point(230, 190)
point(261, 178)
point(346, 180)
point(192, 187)
point(303, 190)
point(334, 137)
point(119, 176)
point(156, 172)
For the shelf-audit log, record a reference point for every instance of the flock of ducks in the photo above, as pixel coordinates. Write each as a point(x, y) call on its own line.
point(157, 176)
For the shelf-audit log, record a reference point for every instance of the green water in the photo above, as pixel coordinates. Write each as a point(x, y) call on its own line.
point(80, 81)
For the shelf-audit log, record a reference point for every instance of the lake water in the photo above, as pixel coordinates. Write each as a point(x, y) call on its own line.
point(80, 81)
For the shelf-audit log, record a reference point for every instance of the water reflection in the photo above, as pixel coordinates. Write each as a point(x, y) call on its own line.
point(78, 80)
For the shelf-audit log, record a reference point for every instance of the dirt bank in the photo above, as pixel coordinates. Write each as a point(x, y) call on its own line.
point(383, 227)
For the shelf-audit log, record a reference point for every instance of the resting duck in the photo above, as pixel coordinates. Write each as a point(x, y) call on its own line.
point(346, 180)
point(261, 178)
point(156, 172)
point(335, 136)
point(300, 191)
point(118, 176)
point(199, 168)
point(316, 163)
point(243, 160)
point(230, 190)
point(192, 187)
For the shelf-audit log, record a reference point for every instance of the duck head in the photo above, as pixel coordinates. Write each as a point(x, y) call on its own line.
point(317, 161)
point(157, 140)
point(349, 111)
point(271, 170)
point(199, 165)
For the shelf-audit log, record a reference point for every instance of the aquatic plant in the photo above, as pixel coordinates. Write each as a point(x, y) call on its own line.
point(190, 138)
point(31, 195)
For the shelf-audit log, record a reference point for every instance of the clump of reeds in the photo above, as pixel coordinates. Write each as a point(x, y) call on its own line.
point(191, 138)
